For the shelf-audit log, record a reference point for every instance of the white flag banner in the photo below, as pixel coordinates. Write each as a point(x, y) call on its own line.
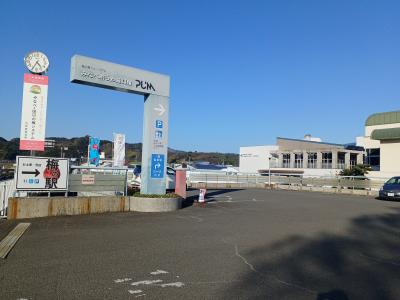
point(34, 106)
point(119, 150)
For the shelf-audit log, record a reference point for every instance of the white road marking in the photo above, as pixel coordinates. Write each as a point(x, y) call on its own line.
point(146, 282)
point(122, 280)
point(158, 272)
point(173, 284)
point(135, 291)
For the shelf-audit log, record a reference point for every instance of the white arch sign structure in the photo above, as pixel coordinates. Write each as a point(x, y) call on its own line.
point(155, 89)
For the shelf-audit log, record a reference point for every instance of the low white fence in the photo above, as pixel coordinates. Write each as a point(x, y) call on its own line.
point(256, 180)
point(7, 190)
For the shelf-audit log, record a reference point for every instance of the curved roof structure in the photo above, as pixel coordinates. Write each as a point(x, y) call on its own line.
point(383, 118)
point(386, 134)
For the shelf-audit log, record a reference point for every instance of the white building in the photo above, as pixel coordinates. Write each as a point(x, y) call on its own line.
point(382, 143)
point(252, 159)
point(309, 156)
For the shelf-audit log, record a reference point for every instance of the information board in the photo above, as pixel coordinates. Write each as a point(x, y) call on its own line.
point(41, 173)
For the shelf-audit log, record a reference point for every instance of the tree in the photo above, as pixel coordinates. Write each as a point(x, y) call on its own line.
point(357, 170)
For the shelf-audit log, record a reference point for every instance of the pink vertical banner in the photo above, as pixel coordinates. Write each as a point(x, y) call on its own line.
point(34, 107)
point(180, 183)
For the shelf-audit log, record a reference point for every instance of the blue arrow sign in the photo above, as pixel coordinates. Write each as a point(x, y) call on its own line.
point(157, 166)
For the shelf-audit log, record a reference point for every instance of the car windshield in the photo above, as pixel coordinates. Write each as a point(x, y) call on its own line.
point(393, 180)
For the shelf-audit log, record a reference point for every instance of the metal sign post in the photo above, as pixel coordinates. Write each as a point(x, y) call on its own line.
point(155, 141)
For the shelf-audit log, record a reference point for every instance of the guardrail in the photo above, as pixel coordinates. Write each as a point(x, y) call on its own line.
point(260, 181)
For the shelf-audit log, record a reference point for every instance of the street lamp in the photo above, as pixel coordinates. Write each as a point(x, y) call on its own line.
point(63, 153)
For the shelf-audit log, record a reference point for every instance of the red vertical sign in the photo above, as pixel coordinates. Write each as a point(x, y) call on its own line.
point(180, 183)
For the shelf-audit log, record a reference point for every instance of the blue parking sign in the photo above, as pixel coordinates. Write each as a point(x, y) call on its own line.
point(159, 124)
point(157, 166)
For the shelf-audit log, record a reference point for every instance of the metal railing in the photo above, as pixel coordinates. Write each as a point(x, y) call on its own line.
point(7, 190)
point(256, 180)
point(106, 180)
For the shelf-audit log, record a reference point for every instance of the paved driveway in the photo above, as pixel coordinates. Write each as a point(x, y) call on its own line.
point(244, 244)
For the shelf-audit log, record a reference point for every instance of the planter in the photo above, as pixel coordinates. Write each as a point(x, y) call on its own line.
point(144, 204)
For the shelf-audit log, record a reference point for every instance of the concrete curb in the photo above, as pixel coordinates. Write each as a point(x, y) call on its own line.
point(141, 204)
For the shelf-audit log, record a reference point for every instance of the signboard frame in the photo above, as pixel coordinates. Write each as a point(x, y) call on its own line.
point(16, 177)
point(108, 75)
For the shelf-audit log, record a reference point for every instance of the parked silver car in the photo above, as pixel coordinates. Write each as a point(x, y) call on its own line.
point(134, 178)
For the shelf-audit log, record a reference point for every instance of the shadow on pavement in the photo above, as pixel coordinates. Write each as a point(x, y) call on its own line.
point(363, 263)
point(190, 199)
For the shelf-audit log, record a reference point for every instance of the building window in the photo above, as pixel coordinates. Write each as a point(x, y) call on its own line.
point(298, 160)
point(353, 159)
point(312, 160)
point(373, 158)
point(341, 160)
point(326, 160)
point(286, 160)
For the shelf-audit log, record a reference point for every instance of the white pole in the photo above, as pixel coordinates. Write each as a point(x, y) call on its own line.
point(269, 172)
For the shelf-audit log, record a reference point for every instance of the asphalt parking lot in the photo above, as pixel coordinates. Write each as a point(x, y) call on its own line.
point(244, 244)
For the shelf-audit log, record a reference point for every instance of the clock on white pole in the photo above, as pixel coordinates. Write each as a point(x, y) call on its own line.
point(37, 62)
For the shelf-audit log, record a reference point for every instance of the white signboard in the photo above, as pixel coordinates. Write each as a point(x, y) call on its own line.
point(100, 73)
point(34, 106)
point(119, 150)
point(88, 179)
point(41, 173)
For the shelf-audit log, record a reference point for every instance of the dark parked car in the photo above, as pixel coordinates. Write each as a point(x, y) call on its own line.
point(391, 189)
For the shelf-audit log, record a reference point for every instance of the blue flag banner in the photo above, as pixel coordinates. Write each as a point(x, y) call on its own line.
point(94, 151)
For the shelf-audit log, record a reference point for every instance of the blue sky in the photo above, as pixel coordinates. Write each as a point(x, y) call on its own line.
point(242, 72)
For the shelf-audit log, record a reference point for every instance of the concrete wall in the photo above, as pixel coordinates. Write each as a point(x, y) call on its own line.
point(36, 207)
point(155, 204)
point(390, 157)
point(332, 190)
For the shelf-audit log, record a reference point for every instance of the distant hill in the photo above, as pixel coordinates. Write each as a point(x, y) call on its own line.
point(77, 148)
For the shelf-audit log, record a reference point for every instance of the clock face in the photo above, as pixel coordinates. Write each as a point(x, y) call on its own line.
point(37, 62)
